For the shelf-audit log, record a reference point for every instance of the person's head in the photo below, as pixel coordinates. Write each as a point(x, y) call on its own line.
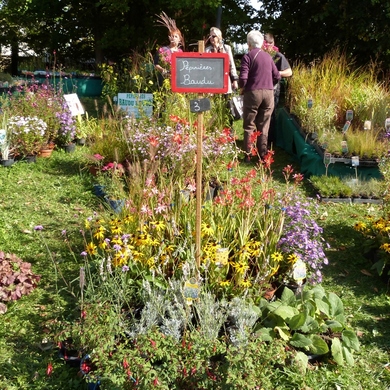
point(215, 36)
point(175, 38)
point(254, 39)
point(269, 38)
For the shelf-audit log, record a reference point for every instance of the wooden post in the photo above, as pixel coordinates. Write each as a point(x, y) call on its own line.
point(199, 152)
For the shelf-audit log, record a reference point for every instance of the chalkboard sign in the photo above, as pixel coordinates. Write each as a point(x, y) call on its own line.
point(200, 72)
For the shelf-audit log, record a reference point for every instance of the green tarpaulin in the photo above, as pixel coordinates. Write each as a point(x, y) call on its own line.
point(290, 138)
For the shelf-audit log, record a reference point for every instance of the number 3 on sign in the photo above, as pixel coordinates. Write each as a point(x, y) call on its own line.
point(200, 105)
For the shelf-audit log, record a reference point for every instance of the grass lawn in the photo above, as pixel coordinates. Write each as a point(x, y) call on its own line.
point(57, 194)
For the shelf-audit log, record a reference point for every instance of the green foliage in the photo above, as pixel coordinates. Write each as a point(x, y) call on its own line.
point(335, 87)
point(312, 322)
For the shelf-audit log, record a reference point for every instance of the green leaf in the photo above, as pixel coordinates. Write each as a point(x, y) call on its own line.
point(266, 334)
point(300, 341)
point(322, 306)
point(350, 340)
point(335, 326)
point(288, 297)
point(348, 356)
point(283, 311)
point(297, 321)
point(319, 346)
point(337, 352)
point(336, 307)
point(283, 335)
point(301, 361)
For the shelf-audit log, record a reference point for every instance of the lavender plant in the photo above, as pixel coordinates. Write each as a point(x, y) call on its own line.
point(302, 239)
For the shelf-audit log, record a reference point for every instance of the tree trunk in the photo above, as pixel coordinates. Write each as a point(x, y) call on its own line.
point(14, 57)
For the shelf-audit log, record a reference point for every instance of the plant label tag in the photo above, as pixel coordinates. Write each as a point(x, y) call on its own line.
point(222, 256)
point(355, 161)
point(3, 135)
point(344, 147)
point(346, 126)
point(367, 125)
point(310, 103)
point(299, 271)
point(191, 289)
point(349, 115)
point(387, 124)
point(327, 158)
point(200, 105)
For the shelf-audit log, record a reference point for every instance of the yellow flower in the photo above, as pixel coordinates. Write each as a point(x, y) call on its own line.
point(87, 224)
point(224, 283)
point(103, 244)
point(100, 233)
point(116, 229)
point(159, 225)
point(150, 262)
point(245, 283)
point(241, 268)
point(117, 240)
point(277, 256)
point(91, 248)
point(207, 230)
point(292, 258)
point(360, 226)
point(385, 247)
point(128, 219)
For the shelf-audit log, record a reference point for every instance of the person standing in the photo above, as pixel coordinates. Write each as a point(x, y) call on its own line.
point(285, 71)
point(217, 45)
point(258, 75)
point(163, 57)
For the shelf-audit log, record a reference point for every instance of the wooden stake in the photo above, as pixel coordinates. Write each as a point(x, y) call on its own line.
point(199, 152)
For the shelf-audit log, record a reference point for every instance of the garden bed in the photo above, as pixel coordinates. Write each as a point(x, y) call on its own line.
point(294, 140)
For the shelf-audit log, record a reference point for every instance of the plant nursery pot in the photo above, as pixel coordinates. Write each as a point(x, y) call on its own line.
point(98, 190)
point(45, 153)
point(30, 159)
point(70, 148)
point(115, 204)
point(7, 163)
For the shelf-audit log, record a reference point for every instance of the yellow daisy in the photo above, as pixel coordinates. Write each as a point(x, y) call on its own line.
point(91, 249)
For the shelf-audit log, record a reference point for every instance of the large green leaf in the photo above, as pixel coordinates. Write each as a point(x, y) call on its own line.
point(282, 310)
point(322, 306)
point(288, 297)
point(336, 308)
point(348, 356)
point(300, 341)
point(318, 346)
point(297, 321)
point(335, 326)
point(350, 340)
point(282, 333)
point(337, 352)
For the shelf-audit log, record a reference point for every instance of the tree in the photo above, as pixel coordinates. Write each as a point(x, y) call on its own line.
point(306, 30)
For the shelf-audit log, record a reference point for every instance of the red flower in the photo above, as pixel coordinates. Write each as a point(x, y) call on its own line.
point(49, 369)
point(153, 343)
point(153, 141)
point(156, 382)
point(125, 364)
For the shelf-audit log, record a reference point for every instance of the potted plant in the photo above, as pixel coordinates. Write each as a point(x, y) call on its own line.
point(67, 132)
point(28, 134)
point(5, 145)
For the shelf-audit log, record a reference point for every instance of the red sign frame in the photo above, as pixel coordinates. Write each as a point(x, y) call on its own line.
point(200, 72)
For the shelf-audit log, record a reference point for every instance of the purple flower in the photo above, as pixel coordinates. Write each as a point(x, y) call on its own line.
point(84, 254)
point(125, 268)
point(38, 227)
